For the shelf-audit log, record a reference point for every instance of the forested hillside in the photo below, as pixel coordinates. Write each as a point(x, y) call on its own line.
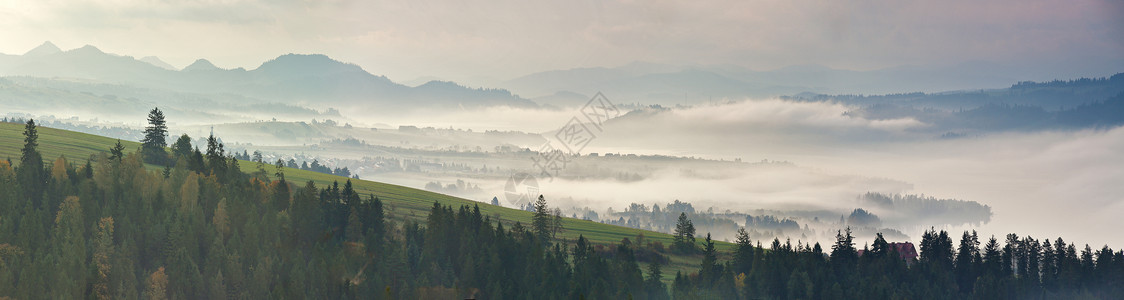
point(202, 228)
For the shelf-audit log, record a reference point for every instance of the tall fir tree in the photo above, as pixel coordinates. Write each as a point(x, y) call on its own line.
point(684, 240)
point(31, 174)
point(965, 266)
point(542, 220)
point(743, 253)
point(182, 147)
point(155, 139)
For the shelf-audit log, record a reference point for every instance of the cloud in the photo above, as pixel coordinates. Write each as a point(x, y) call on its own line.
point(750, 188)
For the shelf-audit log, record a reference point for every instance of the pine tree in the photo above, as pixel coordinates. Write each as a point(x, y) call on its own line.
point(182, 147)
point(844, 256)
point(965, 261)
point(743, 253)
point(880, 248)
point(684, 235)
point(710, 269)
point(993, 260)
point(216, 156)
point(280, 170)
point(541, 221)
point(31, 174)
point(155, 138)
point(117, 152)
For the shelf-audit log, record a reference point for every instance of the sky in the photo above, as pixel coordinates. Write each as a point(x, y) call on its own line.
point(485, 42)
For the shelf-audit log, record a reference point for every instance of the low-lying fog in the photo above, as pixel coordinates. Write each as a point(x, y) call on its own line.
point(1043, 183)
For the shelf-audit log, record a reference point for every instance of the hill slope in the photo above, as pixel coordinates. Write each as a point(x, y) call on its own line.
point(402, 203)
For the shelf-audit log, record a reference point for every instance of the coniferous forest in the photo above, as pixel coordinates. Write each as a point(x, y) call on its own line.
point(108, 227)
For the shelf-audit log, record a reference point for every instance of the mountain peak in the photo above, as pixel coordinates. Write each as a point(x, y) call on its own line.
point(307, 64)
point(201, 65)
point(47, 48)
point(87, 49)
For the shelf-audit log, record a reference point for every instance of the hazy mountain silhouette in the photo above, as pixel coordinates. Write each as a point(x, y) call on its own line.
point(201, 65)
point(314, 80)
point(667, 84)
point(47, 48)
point(156, 61)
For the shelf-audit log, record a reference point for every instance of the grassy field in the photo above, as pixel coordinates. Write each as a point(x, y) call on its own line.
point(402, 203)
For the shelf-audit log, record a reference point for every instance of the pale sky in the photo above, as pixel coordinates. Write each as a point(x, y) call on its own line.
point(488, 41)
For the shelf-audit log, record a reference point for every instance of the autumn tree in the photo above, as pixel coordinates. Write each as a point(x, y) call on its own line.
point(103, 252)
point(156, 287)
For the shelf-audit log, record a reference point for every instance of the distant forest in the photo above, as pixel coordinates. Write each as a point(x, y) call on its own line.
point(108, 228)
point(906, 210)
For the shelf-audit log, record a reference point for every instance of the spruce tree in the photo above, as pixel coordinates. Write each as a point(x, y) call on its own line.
point(966, 273)
point(710, 270)
point(216, 156)
point(182, 147)
point(684, 235)
point(541, 222)
point(30, 173)
point(152, 146)
point(843, 253)
point(117, 152)
point(743, 253)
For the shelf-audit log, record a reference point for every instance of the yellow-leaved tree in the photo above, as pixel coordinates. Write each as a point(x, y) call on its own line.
point(103, 252)
point(189, 193)
point(58, 169)
point(156, 287)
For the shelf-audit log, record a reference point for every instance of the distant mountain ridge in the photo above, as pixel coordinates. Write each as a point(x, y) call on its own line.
point(651, 83)
point(312, 79)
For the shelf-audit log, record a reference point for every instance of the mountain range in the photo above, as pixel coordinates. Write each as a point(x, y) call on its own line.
point(310, 80)
point(318, 81)
point(651, 83)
